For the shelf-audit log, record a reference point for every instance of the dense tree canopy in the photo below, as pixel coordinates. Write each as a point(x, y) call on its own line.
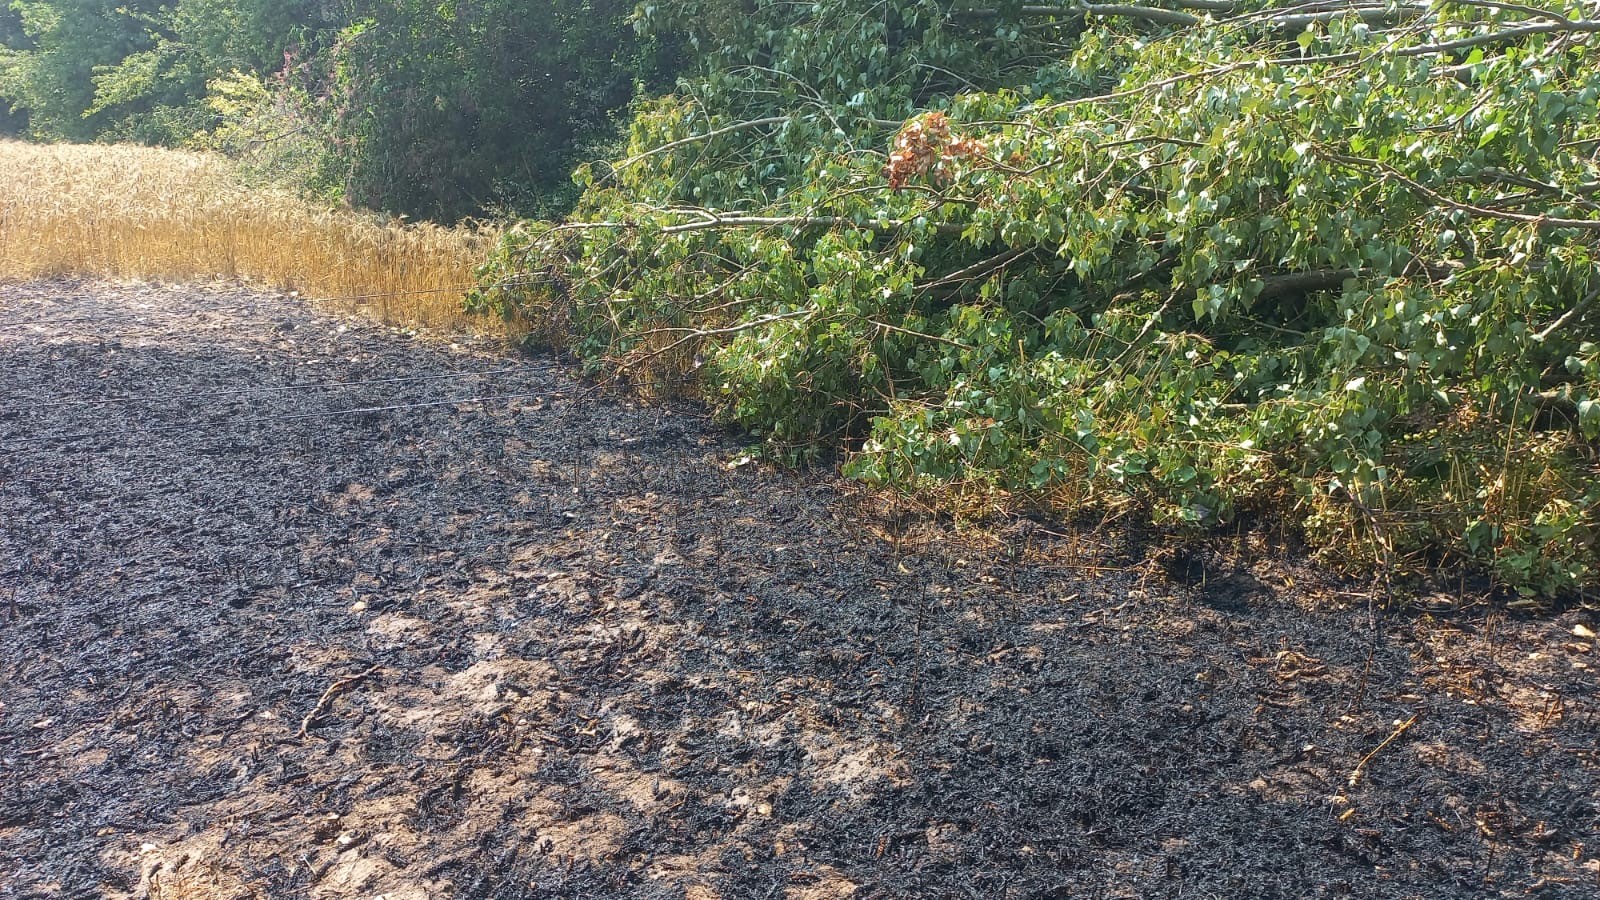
point(12, 36)
point(456, 107)
point(435, 109)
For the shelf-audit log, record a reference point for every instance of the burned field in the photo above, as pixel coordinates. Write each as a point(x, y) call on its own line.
point(287, 609)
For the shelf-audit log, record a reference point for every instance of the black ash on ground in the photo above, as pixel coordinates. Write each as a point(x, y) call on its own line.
point(288, 610)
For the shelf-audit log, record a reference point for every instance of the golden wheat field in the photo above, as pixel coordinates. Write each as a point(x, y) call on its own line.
point(155, 214)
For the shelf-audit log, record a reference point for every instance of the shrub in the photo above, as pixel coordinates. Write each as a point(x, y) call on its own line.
point(1336, 263)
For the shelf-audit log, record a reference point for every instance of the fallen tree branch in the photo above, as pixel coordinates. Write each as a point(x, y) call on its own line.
point(1147, 13)
point(920, 334)
point(980, 268)
point(700, 333)
point(1534, 11)
point(1569, 26)
point(1372, 15)
point(1583, 190)
point(1558, 399)
point(327, 697)
point(1103, 10)
point(1274, 286)
point(1574, 26)
point(737, 127)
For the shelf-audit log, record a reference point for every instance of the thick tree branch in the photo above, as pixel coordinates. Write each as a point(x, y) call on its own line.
point(1290, 284)
point(1147, 13)
point(1571, 26)
point(1372, 15)
point(1556, 24)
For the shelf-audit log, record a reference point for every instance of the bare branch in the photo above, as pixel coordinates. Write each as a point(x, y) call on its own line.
point(918, 334)
point(1572, 26)
point(1534, 11)
point(1147, 13)
point(977, 269)
point(1074, 10)
point(1370, 13)
point(1578, 309)
point(741, 221)
point(1393, 174)
point(717, 132)
point(701, 333)
point(1078, 11)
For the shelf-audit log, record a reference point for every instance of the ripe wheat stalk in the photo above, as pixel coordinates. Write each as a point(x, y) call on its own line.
point(169, 215)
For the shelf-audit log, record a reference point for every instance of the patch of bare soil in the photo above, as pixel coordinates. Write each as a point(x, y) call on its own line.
point(254, 644)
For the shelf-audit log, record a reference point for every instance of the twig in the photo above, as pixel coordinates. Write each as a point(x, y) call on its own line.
point(327, 697)
point(1578, 309)
point(714, 220)
point(672, 145)
point(1393, 174)
point(694, 333)
point(977, 269)
point(1402, 728)
point(1133, 344)
point(918, 334)
point(253, 143)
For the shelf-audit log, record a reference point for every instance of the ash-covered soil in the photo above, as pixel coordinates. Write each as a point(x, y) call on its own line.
point(253, 644)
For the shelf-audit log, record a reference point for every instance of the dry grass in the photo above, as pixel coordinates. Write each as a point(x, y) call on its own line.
point(146, 213)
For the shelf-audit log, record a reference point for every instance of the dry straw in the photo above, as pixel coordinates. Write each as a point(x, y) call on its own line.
point(147, 213)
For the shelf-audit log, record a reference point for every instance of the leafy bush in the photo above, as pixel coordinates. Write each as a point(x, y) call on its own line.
point(1334, 262)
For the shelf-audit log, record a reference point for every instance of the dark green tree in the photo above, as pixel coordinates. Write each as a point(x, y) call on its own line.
point(420, 107)
point(51, 69)
point(447, 109)
point(12, 122)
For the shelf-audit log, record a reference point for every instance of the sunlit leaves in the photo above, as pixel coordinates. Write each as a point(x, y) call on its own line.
point(1195, 272)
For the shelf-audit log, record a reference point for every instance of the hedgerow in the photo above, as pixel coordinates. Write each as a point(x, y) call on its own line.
point(1334, 262)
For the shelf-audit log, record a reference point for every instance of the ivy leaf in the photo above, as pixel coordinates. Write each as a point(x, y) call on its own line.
point(1589, 418)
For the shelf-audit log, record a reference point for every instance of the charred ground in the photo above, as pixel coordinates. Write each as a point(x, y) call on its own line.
point(253, 644)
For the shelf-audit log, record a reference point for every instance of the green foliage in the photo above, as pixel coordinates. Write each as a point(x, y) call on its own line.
point(12, 122)
point(264, 127)
point(51, 71)
point(1339, 273)
point(433, 109)
point(447, 109)
point(107, 69)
